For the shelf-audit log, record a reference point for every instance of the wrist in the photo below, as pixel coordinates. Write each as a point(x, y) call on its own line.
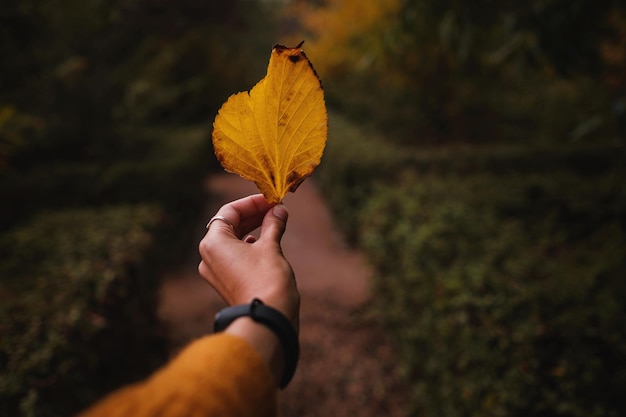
point(264, 341)
point(269, 331)
point(287, 305)
point(284, 300)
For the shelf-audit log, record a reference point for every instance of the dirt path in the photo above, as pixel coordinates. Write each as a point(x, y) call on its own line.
point(347, 365)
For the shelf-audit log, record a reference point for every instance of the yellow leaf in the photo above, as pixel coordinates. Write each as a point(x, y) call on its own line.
point(275, 134)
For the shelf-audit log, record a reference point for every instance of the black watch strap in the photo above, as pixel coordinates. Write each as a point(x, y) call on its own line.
point(275, 321)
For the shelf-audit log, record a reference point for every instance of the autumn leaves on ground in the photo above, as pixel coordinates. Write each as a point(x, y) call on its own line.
point(348, 365)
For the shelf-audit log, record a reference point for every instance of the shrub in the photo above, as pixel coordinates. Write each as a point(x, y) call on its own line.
point(504, 304)
point(346, 173)
point(77, 308)
point(499, 271)
point(163, 165)
point(356, 161)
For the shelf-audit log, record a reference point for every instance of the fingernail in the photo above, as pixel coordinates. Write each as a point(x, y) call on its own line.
point(281, 212)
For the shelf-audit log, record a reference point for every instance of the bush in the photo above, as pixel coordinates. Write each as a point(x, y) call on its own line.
point(500, 271)
point(77, 308)
point(504, 304)
point(91, 167)
point(163, 165)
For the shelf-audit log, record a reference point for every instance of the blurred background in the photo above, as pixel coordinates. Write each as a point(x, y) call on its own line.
point(476, 155)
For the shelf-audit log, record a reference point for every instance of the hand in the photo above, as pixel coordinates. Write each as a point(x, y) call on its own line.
point(241, 270)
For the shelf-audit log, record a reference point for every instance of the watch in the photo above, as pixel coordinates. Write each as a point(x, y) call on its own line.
point(275, 321)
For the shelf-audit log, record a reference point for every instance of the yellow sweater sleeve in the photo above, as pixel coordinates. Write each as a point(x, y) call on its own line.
point(218, 375)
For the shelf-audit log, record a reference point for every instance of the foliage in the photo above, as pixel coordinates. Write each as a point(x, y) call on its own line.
point(104, 135)
point(498, 269)
point(109, 61)
point(77, 308)
point(92, 94)
point(448, 71)
point(341, 48)
point(275, 134)
point(516, 304)
point(163, 166)
point(95, 76)
point(15, 130)
point(346, 172)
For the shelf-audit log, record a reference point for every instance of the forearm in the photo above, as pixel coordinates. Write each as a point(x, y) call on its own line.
point(217, 375)
point(264, 341)
point(244, 320)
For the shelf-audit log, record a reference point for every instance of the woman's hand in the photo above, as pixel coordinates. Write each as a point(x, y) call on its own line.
point(241, 268)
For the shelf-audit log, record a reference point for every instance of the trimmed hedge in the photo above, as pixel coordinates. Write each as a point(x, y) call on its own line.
point(355, 162)
point(501, 274)
point(79, 268)
point(164, 166)
point(77, 308)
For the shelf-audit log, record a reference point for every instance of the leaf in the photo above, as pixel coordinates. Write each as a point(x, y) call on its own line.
point(275, 135)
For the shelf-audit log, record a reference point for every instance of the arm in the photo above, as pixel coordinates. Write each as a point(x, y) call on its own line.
point(241, 270)
point(234, 373)
point(217, 375)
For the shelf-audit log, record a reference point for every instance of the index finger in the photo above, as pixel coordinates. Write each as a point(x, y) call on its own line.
point(245, 214)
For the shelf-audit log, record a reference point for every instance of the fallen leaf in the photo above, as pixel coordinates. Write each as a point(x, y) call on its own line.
point(275, 135)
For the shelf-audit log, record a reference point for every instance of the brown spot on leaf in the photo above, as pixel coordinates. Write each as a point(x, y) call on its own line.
point(280, 48)
point(295, 186)
point(294, 179)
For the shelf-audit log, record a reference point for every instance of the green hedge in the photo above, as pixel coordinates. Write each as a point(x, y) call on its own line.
point(77, 307)
point(500, 271)
point(163, 165)
point(355, 161)
point(79, 267)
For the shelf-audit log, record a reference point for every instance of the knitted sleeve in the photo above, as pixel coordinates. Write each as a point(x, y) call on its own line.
point(218, 375)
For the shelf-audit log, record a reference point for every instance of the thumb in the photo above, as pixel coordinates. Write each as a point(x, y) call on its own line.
point(274, 224)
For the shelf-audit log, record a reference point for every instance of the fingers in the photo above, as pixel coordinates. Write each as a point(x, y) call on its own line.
point(245, 215)
point(274, 224)
point(240, 270)
point(204, 270)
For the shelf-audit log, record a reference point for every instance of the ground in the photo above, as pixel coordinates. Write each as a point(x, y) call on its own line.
point(348, 365)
